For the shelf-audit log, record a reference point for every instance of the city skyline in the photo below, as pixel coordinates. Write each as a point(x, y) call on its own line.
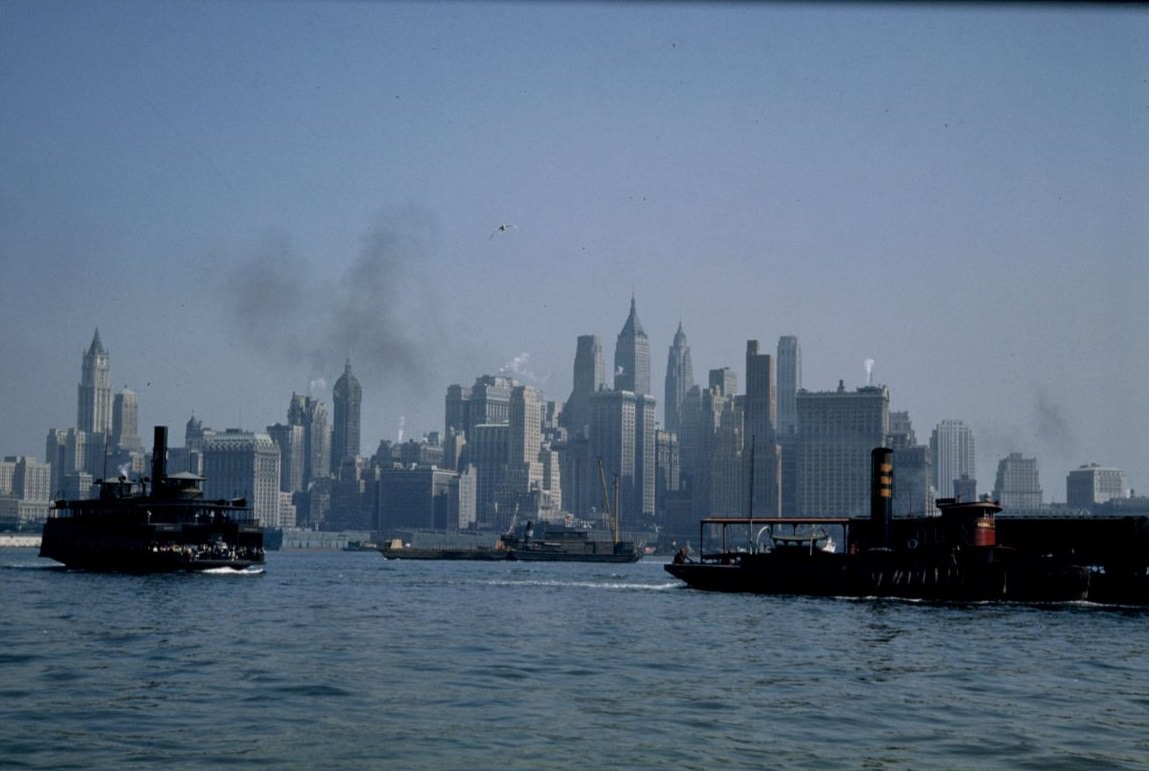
point(324, 457)
point(242, 200)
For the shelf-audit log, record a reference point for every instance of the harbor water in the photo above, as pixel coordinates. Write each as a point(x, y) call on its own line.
point(344, 660)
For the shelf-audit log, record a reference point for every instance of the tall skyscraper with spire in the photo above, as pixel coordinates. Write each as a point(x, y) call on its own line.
point(94, 410)
point(348, 398)
point(679, 380)
point(632, 356)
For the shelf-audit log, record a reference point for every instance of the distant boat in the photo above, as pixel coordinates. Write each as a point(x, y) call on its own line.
point(361, 546)
point(169, 527)
point(574, 544)
point(395, 549)
point(570, 545)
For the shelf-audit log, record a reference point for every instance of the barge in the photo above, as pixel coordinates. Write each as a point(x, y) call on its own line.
point(951, 557)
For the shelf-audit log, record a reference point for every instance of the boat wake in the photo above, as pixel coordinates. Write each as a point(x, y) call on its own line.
point(616, 585)
point(251, 571)
point(41, 565)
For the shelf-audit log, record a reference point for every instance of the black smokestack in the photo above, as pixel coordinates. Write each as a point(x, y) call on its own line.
point(881, 493)
point(159, 455)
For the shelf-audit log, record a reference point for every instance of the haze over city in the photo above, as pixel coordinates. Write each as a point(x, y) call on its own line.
point(241, 196)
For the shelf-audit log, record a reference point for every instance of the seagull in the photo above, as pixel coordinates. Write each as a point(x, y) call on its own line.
point(501, 229)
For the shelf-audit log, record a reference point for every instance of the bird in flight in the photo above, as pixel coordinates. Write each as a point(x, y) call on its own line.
point(501, 229)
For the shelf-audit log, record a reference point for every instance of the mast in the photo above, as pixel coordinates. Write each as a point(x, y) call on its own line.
point(750, 504)
point(608, 518)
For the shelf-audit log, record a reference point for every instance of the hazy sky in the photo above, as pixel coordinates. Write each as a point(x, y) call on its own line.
point(241, 195)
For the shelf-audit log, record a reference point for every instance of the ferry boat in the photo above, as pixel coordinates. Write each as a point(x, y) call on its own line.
point(133, 528)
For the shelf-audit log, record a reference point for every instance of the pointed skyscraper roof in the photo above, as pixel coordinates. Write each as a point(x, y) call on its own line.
point(632, 356)
point(97, 347)
point(633, 326)
point(347, 386)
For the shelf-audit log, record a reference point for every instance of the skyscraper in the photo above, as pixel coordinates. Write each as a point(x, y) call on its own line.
point(243, 463)
point(712, 447)
point(312, 415)
point(622, 435)
point(632, 356)
point(789, 384)
point(94, 411)
point(347, 398)
point(1017, 485)
point(912, 488)
point(126, 421)
point(952, 452)
point(589, 376)
point(837, 430)
point(760, 414)
point(679, 379)
point(1090, 485)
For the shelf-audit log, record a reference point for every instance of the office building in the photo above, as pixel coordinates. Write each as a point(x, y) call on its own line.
point(126, 422)
point(311, 414)
point(789, 383)
point(1091, 485)
point(94, 408)
point(244, 464)
point(952, 454)
point(1017, 485)
point(347, 399)
point(760, 411)
point(837, 430)
point(679, 380)
point(632, 356)
point(589, 377)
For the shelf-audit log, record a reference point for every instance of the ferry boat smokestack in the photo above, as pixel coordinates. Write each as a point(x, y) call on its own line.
point(159, 456)
point(881, 493)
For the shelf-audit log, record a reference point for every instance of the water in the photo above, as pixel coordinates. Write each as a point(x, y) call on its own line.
point(347, 661)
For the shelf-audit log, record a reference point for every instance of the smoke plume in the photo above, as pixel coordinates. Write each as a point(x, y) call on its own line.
point(373, 310)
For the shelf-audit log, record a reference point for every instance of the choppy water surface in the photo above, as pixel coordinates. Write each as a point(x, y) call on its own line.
point(345, 660)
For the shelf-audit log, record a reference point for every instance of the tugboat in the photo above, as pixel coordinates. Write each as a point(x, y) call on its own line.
point(130, 528)
point(954, 557)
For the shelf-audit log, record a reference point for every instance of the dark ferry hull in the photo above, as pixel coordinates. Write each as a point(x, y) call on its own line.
point(881, 574)
point(169, 528)
point(123, 548)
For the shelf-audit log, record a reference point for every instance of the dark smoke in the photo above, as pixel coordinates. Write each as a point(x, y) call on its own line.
point(378, 311)
point(1052, 427)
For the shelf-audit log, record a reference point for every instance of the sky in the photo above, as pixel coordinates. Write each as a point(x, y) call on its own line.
point(242, 196)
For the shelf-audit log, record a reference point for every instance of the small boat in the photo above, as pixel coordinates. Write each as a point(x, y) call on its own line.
point(361, 546)
point(168, 527)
